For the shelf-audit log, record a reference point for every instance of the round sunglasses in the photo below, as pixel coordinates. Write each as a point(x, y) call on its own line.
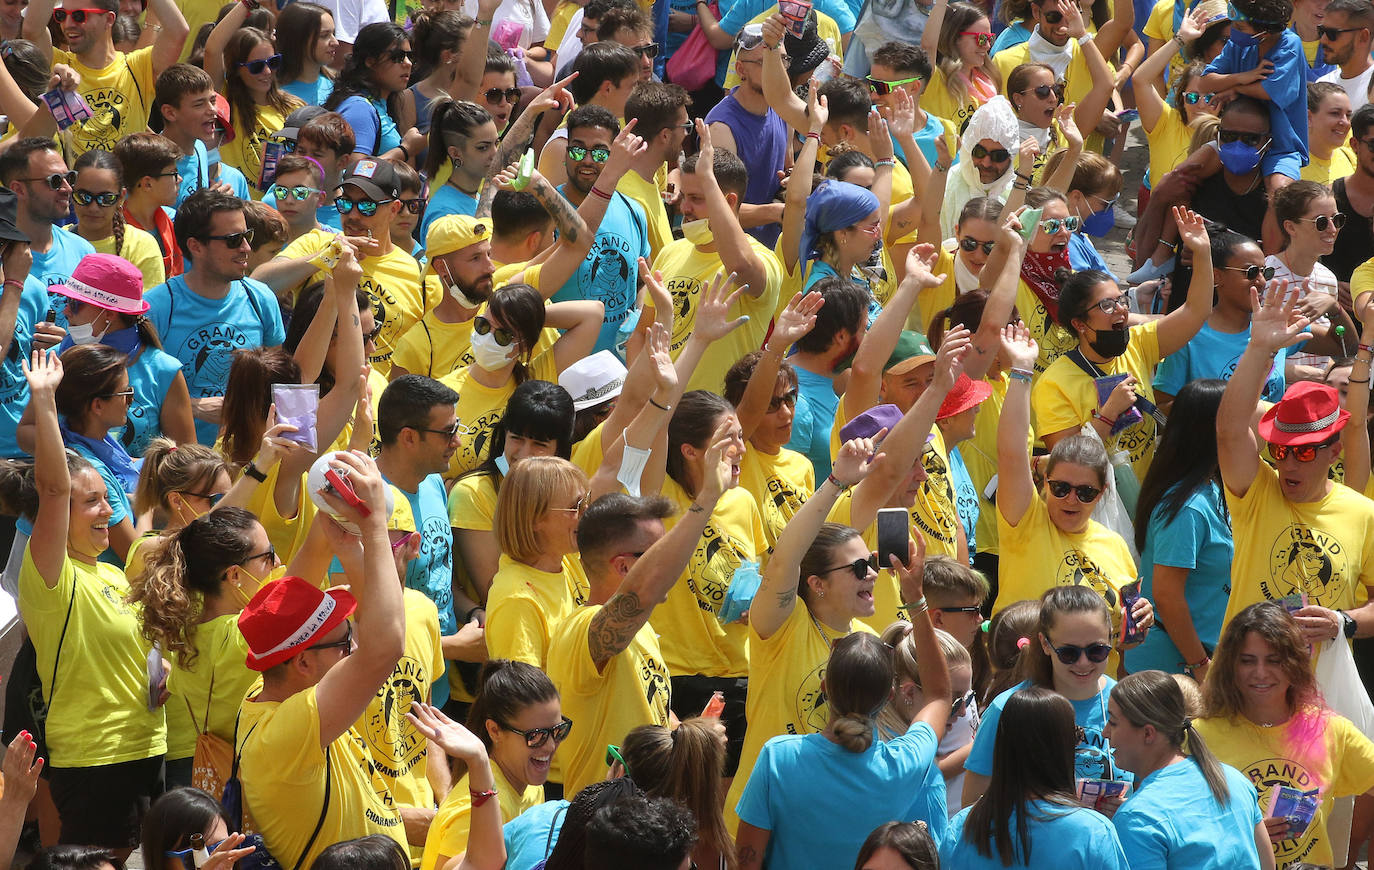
point(1192, 98)
point(482, 326)
point(1252, 271)
point(1069, 653)
point(1323, 221)
point(255, 67)
point(495, 95)
point(1051, 226)
point(1061, 489)
point(86, 197)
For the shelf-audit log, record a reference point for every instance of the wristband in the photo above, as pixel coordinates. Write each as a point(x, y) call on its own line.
point(1020, 185)
point(1024, 375)
point(405, 152)
point(835, 480)
point(254, 472)
point(467, 617)
point(919, 606)
point(813, 135)
point(602, 194)
point(482, 22)
point(1098, 415)
point(658, 406)
point(481, 797)
point(1350, 626)
point(1085, 39)
point(1357, 380)
point(250, 5)
point(878, 164)
point(1368, 347)
point(16, 283)
point(1190, 669)
point(940, 167)
point(1024, 177)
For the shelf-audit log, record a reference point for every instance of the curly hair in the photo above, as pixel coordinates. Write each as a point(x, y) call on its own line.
point(1221, 693)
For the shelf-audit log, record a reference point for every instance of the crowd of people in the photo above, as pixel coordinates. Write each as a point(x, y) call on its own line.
point(661, 434)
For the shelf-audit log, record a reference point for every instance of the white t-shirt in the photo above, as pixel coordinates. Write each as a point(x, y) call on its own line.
point(350, 16)
point(528, 14)
point(959, 734)
point(1322, 280)
point(1357, 88)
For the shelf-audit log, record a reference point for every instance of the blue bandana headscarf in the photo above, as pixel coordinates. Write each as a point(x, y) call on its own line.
point(833, 206)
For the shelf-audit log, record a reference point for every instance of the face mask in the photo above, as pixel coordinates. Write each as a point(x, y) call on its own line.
point(503, 464)
point(1239, 158)
point(241, 588)
point(632, 463)
point(1243, 40)
point(698, 232)
point(1099, 223)
point(1110, 343)
point(455, 291)
point(626, 329)
point(490, 355)
point(84, 333)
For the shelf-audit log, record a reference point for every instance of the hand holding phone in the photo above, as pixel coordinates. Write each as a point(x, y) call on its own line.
point(894, 532)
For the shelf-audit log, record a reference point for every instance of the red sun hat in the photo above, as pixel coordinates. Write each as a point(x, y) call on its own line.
point(105, 281)
point(1308, 413)
point(967, 393)
point(286, 615)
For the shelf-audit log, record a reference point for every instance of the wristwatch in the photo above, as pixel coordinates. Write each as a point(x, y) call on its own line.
point(1350, 625)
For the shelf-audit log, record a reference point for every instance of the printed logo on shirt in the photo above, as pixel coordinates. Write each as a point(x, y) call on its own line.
point(934, 512)
point(610, 275)
point(1303, 559)
point(1093, 757)
point(431, 572)
point(383, 811)
point(1267, 773)
point(653, 676)
point(1137, 440)
point(383, 300)
point(812, 708)
point(472, 449)
point(1054, 340)
point(1078, 569)
point(108, 114)
point(117, 598)
point(206, 356)
point(685, 290)
point(713, 565)
point(395, 744)
point(782, 504)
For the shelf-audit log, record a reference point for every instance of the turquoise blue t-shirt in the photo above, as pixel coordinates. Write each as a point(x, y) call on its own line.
point(203, 333)
point(610, 271)
point(818, 269)
point(812, 419)
point(151, 375)
point(1286, 86)
point(191, 181)
point(56, 265)
point(311, 93)
point(1013, 36)
point(1199, 539)
point(1083, 255)
point(14, 387)
point(869, 788)
point(1063, 838)
point(431, 572)
point(965, 498)
point(1092, 759)
point(364, 116)
point(1171, 821)
point(531, 836)
point(1213, 354)
point(741, 12)
point(445, 201)
point(925, 140)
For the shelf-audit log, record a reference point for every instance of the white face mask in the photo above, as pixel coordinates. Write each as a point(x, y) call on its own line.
point(698, 232)
point(454, 290)
point(488, 354)
point(503, 464)
point(84, 333)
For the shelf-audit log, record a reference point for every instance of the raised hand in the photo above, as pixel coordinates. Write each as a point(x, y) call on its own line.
point(443, 732)
point(227, 853)
point(1073, 19)
point(553, 97)
point(706, 152)
point(1018, 348)
point(347, 274)
point(1067, 125)
point(1191, 228)
point(911, 573)
point(799, 318)
point(1026, 155)
point(774, 29)
point(942, 150)
point(1275, 323)
point(43, 370)
point(665, 373)
point(367, 483)
point(817, 107)
point(856, 458)
point(713, 310)
point(658, 294)
point(920, 266)
point(1192, 24)
point(949, 359)
point(723, 452)
point(880, 140)
point(903, 115)
point(21, 769)
point(275, 446)
point(626, 148)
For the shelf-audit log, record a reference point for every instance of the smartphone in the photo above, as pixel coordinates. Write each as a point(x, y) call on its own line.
point(338, 483)
point(1130, 632)
point(1029, 218)
point(894, 533)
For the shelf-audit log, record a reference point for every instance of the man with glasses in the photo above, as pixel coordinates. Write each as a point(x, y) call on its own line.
point(213, 309)
point(607, 73)
point(302, 750)
point(898, 66)
point(118, 86)
point(1296, 531)
point(187, 101)
point(635, 30)
point(1345, 38)
point(419, 433)
point(148, 164)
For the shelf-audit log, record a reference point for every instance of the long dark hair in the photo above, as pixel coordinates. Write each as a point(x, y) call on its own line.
point(538, 410)
point(248, 396)
point(356, 78)
point(298, 28)
point(301, 316)
point(1187, 455)
point(505, 688)
point(236, 51)
point(175, 816)
point(1031, 760)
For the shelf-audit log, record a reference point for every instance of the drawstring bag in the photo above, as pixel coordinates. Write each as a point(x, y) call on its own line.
point(694, 62)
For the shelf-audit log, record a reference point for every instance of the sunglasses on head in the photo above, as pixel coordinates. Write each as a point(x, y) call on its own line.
point(981, 38)
point(1069, 654)
point(366, 207)
point(970, 244)
point(495, 95)
point(78, 15)
point(788, 398)
point(1061, 489)
point(537, 737)
point(255, 67)
point(600, 153)
point(1254, 140)
point(1051, 226)
point(1044, 91)
point(1193, 97)
point(482, 326)
point(1252, 272)
point(859, 567)
point(300, 193)
point(882, 89)
point(1302, 453)
point(998, 155)
point(396, 55)
point(232, 240)
point(1323, 221)
point(56, 180)
point(86, 197)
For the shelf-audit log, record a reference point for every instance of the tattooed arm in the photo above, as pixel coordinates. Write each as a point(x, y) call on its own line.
point(653, 574)
point(751, 845)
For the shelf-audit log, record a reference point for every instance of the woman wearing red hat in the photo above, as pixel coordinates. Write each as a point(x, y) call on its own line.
point(90, 657)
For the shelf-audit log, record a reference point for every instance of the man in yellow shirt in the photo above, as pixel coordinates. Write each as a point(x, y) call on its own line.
point(459, 251)
point(660, 114)
point(307, 778)
point(117, 86)
point(1297, 532)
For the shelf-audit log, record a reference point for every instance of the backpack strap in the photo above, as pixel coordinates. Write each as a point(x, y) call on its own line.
point(324, 811)
point(237, 824)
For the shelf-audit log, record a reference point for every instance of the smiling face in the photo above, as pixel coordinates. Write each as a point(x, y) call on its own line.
point(1094, 319)
point(1057, 242)
point(258, 84)
point(433, 451)
point(1304, 234)
point(88, 529)
point(856, 243)
point(980, 231)
point(775, 430)
point(1068, 513)
point(40, 201)
point(971, 53)
point(298, 213)
point(193, 118)
point(214, 256)
point(1082, 630)
point(841, 588)
point(1329, 126)
point(1259, 673)
point(1057, 32)
point(326, 42)
point(582, 174)
point(989, 169)
point(695, 456)
point(520, 762)
point(94, 31)
point(1233, 288)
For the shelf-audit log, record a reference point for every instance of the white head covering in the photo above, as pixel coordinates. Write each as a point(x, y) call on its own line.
point(994, 120)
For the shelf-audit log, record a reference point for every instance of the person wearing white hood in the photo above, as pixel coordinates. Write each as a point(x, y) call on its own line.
point(985, 160)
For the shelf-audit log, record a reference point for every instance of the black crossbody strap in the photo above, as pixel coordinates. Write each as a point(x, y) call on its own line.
point(52, 684)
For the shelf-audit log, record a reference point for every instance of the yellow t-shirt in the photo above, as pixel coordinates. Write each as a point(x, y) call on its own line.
point(632, 691)
point(980, 458)
point(1037, 556)
point(687, 270)
point(481, 407)
point(377, 382)
point(938, 98)
point(587, 453)
point(693, 640)
point(1065, 397)
point(102, 669)
point(140, 248)
point(1362, 279)
point(1323, 548)
point(523, 608)
point(932, 300)
point(936, 513)
point(448, 833)
point(283, 771)
point(397, 747)
point(286, 534)
point(245, 151)
point(1054, 340)
point(780, 485)
point(434, 348)
point(1077, 77)
point(887, 594)
point(472, 503)
point(120, 96)
point(195, 700)
point(1318, 750)
point(645, 191)
point(1340, 164)
point(903, 189)
point(1168, 140)
point(197, 13)
point(1160, 25)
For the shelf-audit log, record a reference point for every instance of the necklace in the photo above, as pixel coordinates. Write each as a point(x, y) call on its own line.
point(821, 631)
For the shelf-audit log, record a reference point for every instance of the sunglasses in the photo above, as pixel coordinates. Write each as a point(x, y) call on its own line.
point(859, 567)
point(495, 95)
point(482, 326)
point(1110, 304)
point(1252, 272)
point(1069, 654)
point(1254, 140)
point(578, 507)
point(1052, 225)
point(1053, 16)
point(213, 498)
point(86, 197)
point(969, 608)
point(537, 737)
point(981, 38)
point(961, 704)
point(366, 207)
point(78, 15)
point(1324, 32)
point(1193, 97)
point(1303, 453)
point(1061, 489)
point(232, 240)
point(270, 554)
point(1044, 91)
point(1323, 221)
point(648, 50)
point(126, 395)
point(998, 155)
point(414, 206)
point(56, 180)
point(882, 89)
point(346, 644)
point(255, 67)
point(788, 398)
point(400, 542)
point(300, 193)
point(396, 55)
point(447, 433)
point(600, 153)
point(971, 244)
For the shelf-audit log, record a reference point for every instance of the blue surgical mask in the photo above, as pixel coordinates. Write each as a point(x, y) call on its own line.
point(1243, 40)
point(503, 465)
point(626, 329)
point(1239, 158)
point(1099, 223)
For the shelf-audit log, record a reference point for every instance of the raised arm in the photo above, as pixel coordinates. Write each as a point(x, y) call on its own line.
point(1355, 437)
point(231, 23)
point(795, 321)
point(1179, 326)
point(517, 138)
point(472, 57)
point(48, 543)
point(580, 322)
point(1015, 485)
point(930, 37)
point(1095, 102)
point(716, 35)
point(35, 27)
point(732, 242)
point(1006, 259)
point(1151, 71)
point(930, 661)
point(167, 47)
point(799, 184)
point(1273, 326)
point(933, 197)
point(16, 259)
point(486, 847)
point(1067, 116)
point(640, 382)
point(777, 86)
point(713, 323)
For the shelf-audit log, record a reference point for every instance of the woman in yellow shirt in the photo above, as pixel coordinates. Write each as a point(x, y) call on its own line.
point(958, 39)
point(1328, 134)
point(537, 510)
point(1035, 95)
point(517, 717)
point(99, 201)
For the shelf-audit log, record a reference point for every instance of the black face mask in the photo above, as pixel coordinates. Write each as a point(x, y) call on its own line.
point(1110, 343)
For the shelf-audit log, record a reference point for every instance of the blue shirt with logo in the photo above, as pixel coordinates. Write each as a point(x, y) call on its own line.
point(610, 272)
point(216, 172)
point(55, 266)
point(1213, 354)
point(14, 387)
point(1092, 759)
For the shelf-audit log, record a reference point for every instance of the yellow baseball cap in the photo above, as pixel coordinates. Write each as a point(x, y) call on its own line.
point(454, 232)
point(402, 518)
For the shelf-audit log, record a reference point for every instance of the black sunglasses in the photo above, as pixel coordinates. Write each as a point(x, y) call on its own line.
point(648, 49)
point(269, 554)
point(232, 240)
point(537, 737)
point(1061, 489)
point(346, 644)
point(255, 67)
point(482, 326)
point(86, 197)
point(396, 55)
point(859, 567)
point(971, 608)
point(998, 155)
point(414, 206)
point(1254, 140)
point(56, 180)
point(494, 95)
point(788, 398)
point(447, 433)
point(1053, 16)
point(1044, 91)
point(1252, 271)
point(1323, 221)
point(971, 244)
point(1070, 654)
point(1331, 33)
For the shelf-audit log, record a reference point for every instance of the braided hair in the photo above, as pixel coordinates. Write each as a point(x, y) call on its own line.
point(96, 159)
